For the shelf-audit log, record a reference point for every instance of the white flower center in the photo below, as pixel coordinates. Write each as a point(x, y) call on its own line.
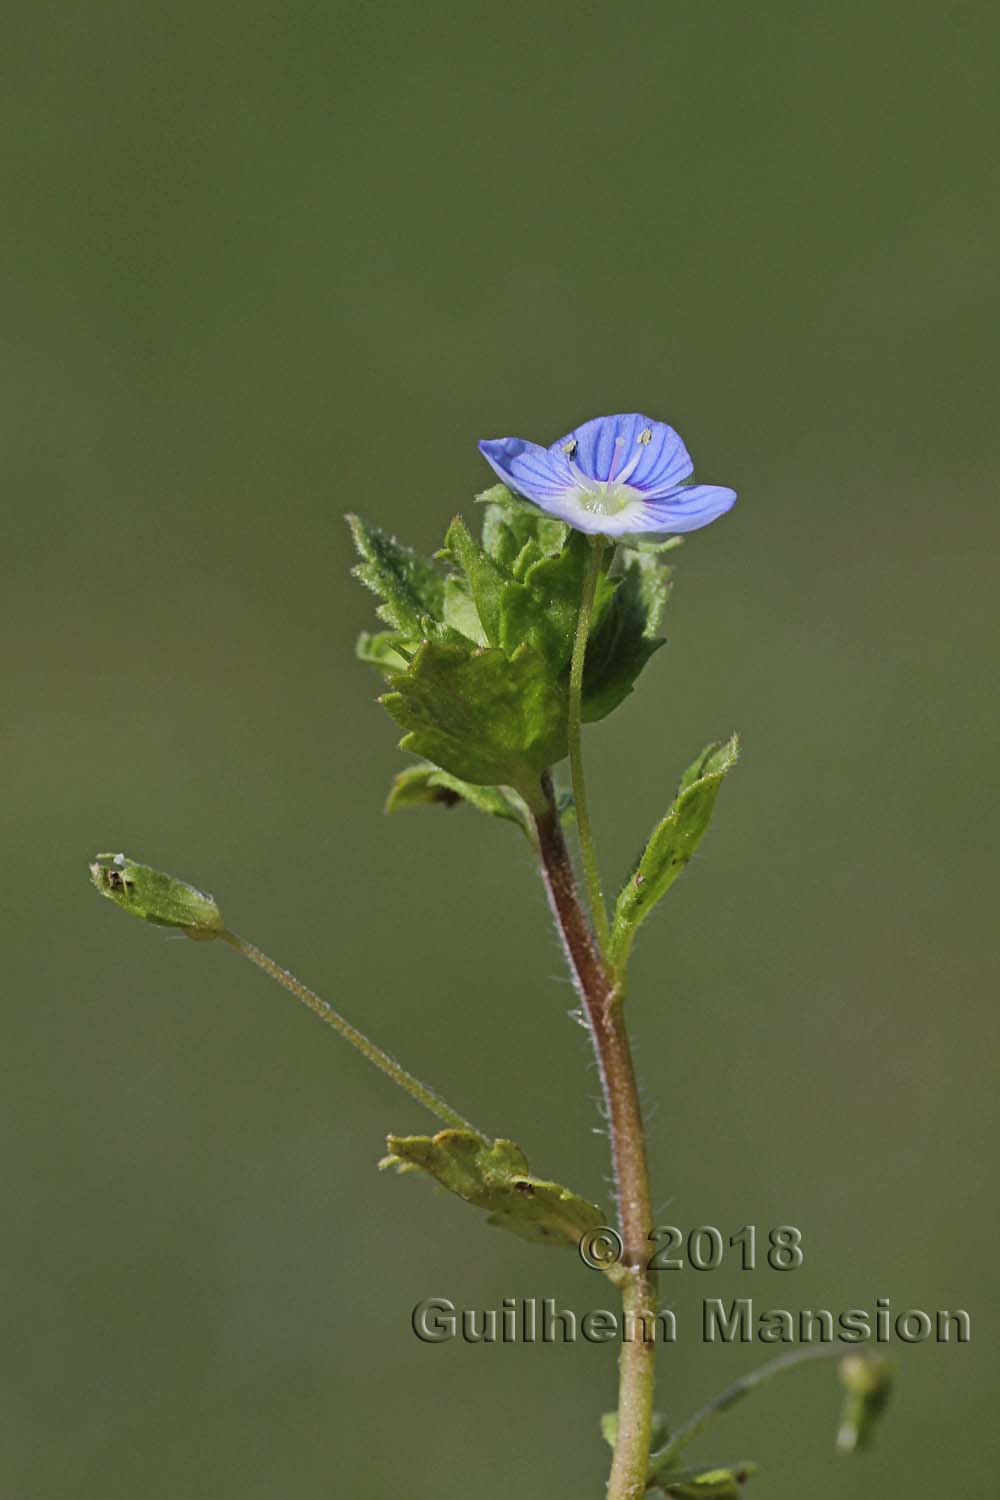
point(608, 497)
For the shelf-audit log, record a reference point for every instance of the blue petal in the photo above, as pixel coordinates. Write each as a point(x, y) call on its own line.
point(537, 473)
point(687, 508)
point(664, 460)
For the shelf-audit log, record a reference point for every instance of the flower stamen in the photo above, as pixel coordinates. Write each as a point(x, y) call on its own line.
point(631, 466)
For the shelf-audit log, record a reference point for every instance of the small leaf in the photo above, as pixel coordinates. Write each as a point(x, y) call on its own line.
point(867, 1382)
point(543, 608)
point(380, 650)
point(531, 553)
point(493, 1175)
point(721, 1483)
point(488, 719)
point(658, 1431)
point(426, 785)
point(672, 842)
point(636, 543)
point(510, 522)
point(156, 897)
point(485, 579)
point(409, 585)
point(714, 760)
point(626, 637)
point(460, 612)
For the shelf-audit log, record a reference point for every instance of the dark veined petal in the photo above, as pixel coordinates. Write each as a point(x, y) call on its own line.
point(538, 473)
point(688, 507)
point(665, 461)
point(661, 461)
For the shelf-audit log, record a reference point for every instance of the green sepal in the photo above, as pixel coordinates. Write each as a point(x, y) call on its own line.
point(156, 897)
point(867, 1382)
point(410, 587)
point(625, 636)
point(725, 1482)
point(489, 719)
point(494, 1175)
point(426, 785)
point(672, 843)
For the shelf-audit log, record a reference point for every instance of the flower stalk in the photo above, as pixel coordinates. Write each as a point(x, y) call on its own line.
point(369, 1049)
point(591, 869)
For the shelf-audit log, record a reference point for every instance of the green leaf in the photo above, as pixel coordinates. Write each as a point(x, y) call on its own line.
point(426, 785)
point(156, 897)
point(623, 640)
point(509, 523)
point(543, 608)
point(867, 1382)
point(380, 650)
point(486, 580)
point(635, 543)
point(460, 612)
point(532, 552)
point(672, 842)
point(722, 1483)
point(409, 585)
point(487, 718)
point(494, 1175)
point(658, 1431)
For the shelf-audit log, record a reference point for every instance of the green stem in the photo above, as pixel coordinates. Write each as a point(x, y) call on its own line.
point(406, 1081)
point(601, 998)
point(592, 874)
point(704, 1418)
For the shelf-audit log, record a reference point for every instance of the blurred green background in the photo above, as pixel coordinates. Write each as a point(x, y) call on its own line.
point(267, 262)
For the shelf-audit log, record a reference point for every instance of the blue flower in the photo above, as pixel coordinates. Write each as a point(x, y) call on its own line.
point(611, 476)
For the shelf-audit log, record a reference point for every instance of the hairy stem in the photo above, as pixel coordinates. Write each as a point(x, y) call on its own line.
point(601, 999)
point(592, 874)
point(406, 1081)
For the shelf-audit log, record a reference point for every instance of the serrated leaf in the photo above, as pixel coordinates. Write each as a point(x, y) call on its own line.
point(626, 636)
point(426, 785)
point(724, 1482)
point(410, 587)
point(494, 1175)
point(489, 719)
point(672, 843)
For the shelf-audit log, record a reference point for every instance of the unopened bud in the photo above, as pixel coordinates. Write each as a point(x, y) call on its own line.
point(156, 896)
point(866, 1379)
